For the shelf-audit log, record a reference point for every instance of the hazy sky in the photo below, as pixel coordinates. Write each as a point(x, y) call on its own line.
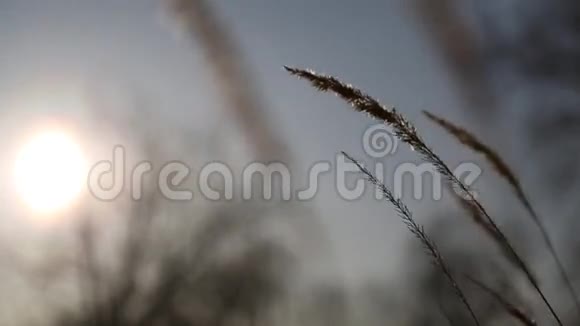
point(55, 46)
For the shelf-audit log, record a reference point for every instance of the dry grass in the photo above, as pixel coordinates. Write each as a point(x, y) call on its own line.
point(239, 93)
point(419, 232)
point(407, 133)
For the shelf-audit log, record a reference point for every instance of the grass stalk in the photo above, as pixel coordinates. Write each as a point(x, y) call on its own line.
point(419, 232)
point(407, 133)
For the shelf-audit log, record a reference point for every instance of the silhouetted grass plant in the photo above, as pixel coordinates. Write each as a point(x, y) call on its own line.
point(407, 133)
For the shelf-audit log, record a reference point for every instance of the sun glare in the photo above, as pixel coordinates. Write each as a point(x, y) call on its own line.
point(50, 172)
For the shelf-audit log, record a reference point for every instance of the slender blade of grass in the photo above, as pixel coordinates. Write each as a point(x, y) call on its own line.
point(510, 308)
point(419, 232)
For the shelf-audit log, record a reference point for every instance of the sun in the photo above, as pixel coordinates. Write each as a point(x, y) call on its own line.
point(50, 172)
